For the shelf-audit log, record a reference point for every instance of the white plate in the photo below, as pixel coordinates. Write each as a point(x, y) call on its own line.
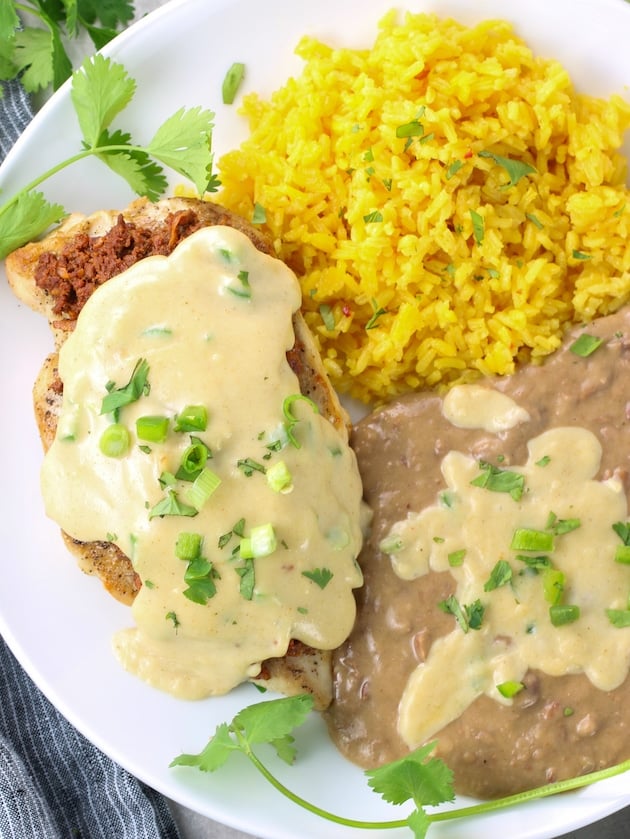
point(59, 622)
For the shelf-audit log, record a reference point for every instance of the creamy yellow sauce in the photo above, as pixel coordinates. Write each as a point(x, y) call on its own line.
point(470, 529)
point(213, 321)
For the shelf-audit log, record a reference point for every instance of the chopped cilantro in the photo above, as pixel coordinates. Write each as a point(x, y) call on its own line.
point(320, 576)
point(478, 226)
point(500, 575)
point(499, 480)
point(377, 311)
point(137, 386)
point(516, 169)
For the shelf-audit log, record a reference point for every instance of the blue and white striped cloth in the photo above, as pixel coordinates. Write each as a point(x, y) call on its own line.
point(54, 784)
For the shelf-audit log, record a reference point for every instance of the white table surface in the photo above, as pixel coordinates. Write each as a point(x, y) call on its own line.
point(194, 826)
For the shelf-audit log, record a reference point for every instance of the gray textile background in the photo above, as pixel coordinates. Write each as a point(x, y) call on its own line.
point(15, 114)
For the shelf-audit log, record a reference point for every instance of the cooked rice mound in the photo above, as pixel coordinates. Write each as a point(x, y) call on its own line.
point(448, 201)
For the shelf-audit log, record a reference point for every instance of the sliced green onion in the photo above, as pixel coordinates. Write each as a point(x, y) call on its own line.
point(259, 216)
point(232, 82)
point(115, 440)
point(193, 461)
point(338, 538)
point(585, 345)
point(291, 419)
point(619, 617)
point(510, 688)
point(553, 585)
point(244, 290)
point(261, 541)
point(192, 418)
point(68, 425)
point(391, 544)
point(527, 539)
point(561, 615)
point(456, 558)
point(157, 331)
point(279, 478)
point(202, 487)
point(327, 316)
point(622, 554)
point(188, 546)
point(153, 429)
point(537, 563)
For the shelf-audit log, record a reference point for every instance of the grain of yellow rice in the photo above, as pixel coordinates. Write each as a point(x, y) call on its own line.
point(420, 264)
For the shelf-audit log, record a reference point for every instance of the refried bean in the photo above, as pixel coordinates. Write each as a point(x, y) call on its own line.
point(557, 727)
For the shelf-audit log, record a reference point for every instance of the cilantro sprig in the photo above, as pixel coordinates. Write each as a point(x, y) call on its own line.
point(419, 778)
point(34, 34)
point(101, 90)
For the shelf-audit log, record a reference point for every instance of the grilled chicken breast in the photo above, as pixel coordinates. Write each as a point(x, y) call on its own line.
point(55, 276)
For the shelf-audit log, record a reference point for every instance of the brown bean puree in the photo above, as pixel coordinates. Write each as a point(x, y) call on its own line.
point(409, 673)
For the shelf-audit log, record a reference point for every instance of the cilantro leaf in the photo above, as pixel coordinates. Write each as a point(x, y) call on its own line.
point(9, 20)
point(25, 218)
point(215, 754)
point(265, 722)
point(285, 749)
point(516, 169)
point(33, 58)
point(419, 823)
point(101, 89)
point(111, 13)
point(200, 576)
point(183, 142)
point(142, 174)
point(72, 17)
point(413, 777)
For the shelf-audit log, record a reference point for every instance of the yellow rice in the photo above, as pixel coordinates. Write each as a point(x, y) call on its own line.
point(399, 290)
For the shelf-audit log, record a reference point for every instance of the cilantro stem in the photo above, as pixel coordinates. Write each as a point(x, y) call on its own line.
point(307, 805)
point(88, 152)
point(484, 808)
point(531, 795)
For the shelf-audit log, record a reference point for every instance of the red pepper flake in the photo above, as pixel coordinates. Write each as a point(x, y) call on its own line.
point(346, 309)
point(468, 154)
